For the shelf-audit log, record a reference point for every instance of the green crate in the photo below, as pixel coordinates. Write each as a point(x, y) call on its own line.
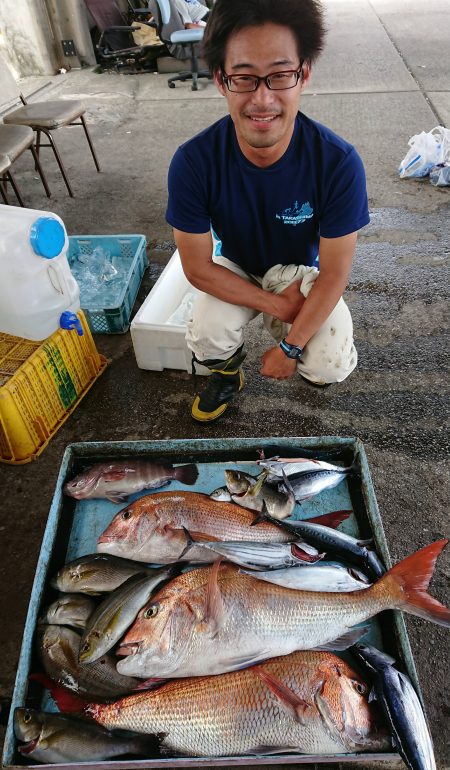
point(115, 317)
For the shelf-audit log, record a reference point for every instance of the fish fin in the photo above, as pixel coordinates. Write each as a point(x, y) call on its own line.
point(67, 701)
point(203, 536)
point(197, 537)
point(408, 581)
point(291, 703)
point(240, 662)
point(186, 474)
point(257, 487)
point(306, 554)
point(214, 609)
point(331, 520)
point(372, 695)
point(346, 640)
point(117, 498)
point(260, 516)
point(190, 542)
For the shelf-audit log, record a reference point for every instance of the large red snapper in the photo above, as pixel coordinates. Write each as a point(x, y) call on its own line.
point(216, 619)
point(152, 529)
point(308, 702)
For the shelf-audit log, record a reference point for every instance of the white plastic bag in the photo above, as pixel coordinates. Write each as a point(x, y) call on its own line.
point(440, 175)
point(426, 150)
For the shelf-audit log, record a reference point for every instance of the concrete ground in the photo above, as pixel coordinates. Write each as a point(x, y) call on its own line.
point(384, 77)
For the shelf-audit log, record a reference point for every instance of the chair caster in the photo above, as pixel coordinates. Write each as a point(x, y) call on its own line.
point(171, 85)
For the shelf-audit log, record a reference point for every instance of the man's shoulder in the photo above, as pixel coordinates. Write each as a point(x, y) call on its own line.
point(208, 140)
point(324, 136)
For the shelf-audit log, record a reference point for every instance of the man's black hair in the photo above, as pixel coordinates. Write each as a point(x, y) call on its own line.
point(303, 17)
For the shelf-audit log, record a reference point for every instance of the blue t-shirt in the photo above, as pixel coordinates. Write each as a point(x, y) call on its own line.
point(274, 215)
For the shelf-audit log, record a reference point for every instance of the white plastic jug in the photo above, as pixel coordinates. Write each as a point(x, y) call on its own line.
point(36, 285)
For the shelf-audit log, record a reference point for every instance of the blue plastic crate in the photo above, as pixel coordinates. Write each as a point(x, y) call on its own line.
point(113, 318)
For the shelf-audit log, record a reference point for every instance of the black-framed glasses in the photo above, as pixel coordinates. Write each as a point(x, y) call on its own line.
point(275, 81)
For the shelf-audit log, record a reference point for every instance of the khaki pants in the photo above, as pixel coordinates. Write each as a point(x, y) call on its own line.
point(216, 329)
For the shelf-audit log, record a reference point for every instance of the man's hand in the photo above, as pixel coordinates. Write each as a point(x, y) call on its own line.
point(291, 302)
point(277, 365)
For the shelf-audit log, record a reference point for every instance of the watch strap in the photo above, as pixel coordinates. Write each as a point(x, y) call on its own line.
point(291, 351)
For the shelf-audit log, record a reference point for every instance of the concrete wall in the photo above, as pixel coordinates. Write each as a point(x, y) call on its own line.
point(31, 32)
point(26, 37)
point(70, 22)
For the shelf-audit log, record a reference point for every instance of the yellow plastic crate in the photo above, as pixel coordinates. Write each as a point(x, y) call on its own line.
point(41, 383)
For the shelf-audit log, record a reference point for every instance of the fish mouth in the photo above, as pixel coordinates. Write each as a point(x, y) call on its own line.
point(129, 648)
point(27, 748)
point(104, 539)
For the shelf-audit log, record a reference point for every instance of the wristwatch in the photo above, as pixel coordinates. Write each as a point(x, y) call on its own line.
point(291, 351)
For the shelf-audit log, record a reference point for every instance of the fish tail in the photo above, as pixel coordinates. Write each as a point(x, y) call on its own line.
point(408, 581)
point(187, 474)
point(330, 519)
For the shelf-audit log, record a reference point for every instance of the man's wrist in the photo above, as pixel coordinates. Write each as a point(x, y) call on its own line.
point(290, 350)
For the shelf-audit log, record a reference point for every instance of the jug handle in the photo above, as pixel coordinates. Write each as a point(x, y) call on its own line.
point(57, 278)
point(62, 282)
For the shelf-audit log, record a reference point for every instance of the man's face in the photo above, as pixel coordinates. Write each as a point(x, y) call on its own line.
point(263, 119)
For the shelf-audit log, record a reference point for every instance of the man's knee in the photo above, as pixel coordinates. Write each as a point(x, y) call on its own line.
point(328, 366)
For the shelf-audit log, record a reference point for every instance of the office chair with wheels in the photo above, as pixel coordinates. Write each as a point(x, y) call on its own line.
point(178, 40)
point(117, 47)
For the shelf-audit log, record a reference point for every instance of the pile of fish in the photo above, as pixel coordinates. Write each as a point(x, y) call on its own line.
point(248, 607)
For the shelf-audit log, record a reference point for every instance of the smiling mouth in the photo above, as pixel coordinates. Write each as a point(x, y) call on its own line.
point(267, 119)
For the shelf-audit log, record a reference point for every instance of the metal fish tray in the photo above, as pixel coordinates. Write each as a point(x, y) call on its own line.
point(73, 527)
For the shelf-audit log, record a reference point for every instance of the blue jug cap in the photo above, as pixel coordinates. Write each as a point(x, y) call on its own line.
point(70, 320)
point(47, 237)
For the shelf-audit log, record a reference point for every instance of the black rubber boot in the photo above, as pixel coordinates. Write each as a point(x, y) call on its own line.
point(226, 380)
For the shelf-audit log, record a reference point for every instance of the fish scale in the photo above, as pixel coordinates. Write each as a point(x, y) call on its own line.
point(196, 718)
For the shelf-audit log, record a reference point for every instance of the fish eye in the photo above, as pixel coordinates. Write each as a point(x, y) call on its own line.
point(26, 716)
point(126, 515)
point(85, 647)
point(359, 687)
point(151, 611)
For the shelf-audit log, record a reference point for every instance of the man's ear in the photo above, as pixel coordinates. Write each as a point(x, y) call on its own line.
point(217, 75)
point(306, 70)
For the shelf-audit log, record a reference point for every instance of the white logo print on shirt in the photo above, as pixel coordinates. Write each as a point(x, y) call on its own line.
point(297, 214)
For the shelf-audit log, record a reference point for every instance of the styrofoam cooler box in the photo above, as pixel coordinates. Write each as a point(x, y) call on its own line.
point(158, 344)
